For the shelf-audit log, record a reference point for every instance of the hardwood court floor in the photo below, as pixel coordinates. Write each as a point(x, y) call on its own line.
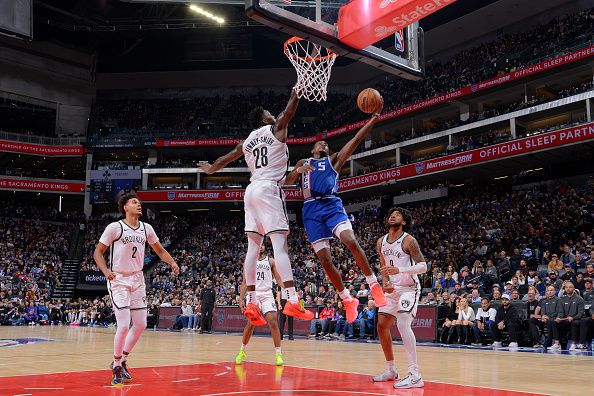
point(187, 363)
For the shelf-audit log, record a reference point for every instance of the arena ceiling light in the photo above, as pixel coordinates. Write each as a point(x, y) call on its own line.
point(207, 14)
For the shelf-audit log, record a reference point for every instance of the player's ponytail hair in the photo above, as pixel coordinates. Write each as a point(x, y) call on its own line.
point(406, 215)
point(124, 200)
point(256, 116)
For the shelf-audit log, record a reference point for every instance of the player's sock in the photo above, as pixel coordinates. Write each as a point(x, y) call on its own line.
point(125, 355)
point(391, 366)
point(409, 341)
point(345, 295)
point(277, 350)
point(251, 297)
point(242, 347)
point(117, 361)
point(292, 295)
point(371, 279)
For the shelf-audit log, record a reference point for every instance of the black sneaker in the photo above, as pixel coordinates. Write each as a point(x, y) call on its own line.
point(125, 373)
point(118, 378)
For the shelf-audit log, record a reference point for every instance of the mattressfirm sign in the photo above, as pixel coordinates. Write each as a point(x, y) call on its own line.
point(38, 149)
point(42, 185)
point(502, 150)
point(204, 195)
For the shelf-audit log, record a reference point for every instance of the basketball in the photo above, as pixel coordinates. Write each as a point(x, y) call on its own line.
point(369, 100)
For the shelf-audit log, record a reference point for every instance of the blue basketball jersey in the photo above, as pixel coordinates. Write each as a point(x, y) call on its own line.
point(320, 182)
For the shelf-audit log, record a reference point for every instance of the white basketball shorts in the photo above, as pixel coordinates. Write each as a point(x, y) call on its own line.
point(128, 291)
point(265, 210)
point(401, 300)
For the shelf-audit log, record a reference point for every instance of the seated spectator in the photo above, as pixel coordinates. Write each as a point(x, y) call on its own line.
point(323, 320)
point(544, 316)
point(569, 274)
point(568, 320)
point(31, 316)
point(465, 322)
point(587, 322)
point(366, 319)
point(579, 282)
point(485, 321)
point(507, 319)
point(448, 329)
point(555, 265)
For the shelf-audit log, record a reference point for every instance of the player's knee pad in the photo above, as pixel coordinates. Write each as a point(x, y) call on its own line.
point(319, 245)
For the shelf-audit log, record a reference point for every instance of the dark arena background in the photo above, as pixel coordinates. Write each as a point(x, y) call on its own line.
point(486, 138)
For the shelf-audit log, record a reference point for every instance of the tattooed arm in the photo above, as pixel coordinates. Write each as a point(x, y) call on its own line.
point(411, 246)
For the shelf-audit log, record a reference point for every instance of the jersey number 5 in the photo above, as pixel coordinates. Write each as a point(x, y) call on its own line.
point(134, 250)
point(261, 155)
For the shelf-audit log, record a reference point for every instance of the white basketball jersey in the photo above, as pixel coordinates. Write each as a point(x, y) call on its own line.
point(263, 275)
point(395, 256)
point(127, 245)
point(266, 156)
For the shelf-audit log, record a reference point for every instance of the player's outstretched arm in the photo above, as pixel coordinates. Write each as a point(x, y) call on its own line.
point(339, 159)
point(283, 119)
point(165, 257)
point(223, 161)
point(100, 250)
point(297, 171)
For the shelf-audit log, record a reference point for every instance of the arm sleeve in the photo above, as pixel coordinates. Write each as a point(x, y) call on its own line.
point(151, 235)
point(417, 269)
point(111, 233)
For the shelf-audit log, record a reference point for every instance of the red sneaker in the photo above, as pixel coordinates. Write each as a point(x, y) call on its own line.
point(378, 295)
point(296, 311)
point(254, 315)
point(351, 309)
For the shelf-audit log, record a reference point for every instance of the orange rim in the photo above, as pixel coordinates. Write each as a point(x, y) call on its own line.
point(331, 54)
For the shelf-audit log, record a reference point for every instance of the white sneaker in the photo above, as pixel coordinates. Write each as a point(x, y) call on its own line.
point(581, 347)
point(573, 347)
point(388, 375)
point(555, 347)
point(513, 345)
point(410, 381)
point(497, 344)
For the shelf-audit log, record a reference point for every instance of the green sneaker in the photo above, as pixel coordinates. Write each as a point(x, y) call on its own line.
point(279, 359)
point(240, 357)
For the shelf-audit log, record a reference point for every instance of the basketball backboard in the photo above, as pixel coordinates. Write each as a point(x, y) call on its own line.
point(316, 20)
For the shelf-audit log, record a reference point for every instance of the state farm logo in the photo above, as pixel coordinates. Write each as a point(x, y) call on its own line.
point(386, 3)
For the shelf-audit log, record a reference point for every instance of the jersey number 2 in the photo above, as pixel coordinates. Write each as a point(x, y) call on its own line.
point(134, 250)
point(261, 157)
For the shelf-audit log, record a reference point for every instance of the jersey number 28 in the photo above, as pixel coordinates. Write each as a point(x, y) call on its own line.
point(261, 155)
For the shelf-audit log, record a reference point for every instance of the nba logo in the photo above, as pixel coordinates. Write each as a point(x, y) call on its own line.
point(220, 317)
point(171, 195)
point(399, 41)
point(420, 167)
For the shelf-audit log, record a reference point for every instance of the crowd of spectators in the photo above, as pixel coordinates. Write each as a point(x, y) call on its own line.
point(226, 117)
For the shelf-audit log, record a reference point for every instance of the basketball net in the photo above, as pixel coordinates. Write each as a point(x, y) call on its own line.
point(313, 64)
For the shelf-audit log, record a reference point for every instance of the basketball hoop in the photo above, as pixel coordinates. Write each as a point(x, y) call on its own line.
point(313, 64)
